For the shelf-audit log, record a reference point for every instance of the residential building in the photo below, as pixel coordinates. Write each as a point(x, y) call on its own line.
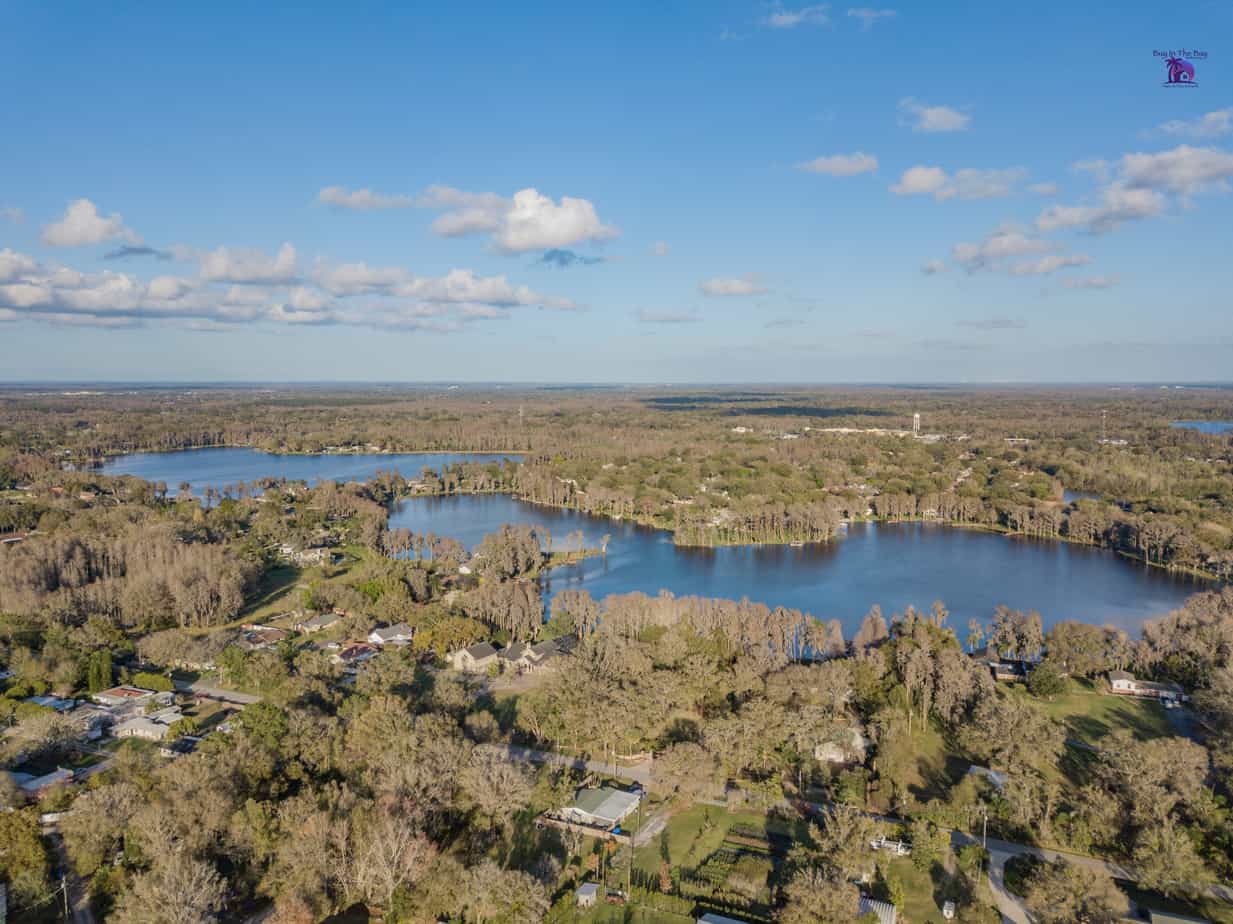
point(317, 623)
point(152, 727)
point(52, 702)
point(474, 660)
point(712, 918)
point(843, 746)
point(257, 637)
point(1125, 683)
point(35, 786)
point(995, 777)
point(399, 634)
point(353, 654)
point(605, 807)
point(123, 695)
point(1172, 917)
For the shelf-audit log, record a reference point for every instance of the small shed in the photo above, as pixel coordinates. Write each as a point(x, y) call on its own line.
point(587, 895)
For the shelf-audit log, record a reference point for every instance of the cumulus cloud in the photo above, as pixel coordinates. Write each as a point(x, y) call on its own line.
point(353, 294)
point(1183, 170)
point(362, 200)
point(749, 284)
point(967, 183)
point(13, 214)
point(1096, 167)
point(869, 16)
point(128, 250)
point(923, 118)
point(660, 249)
point(999, 246)
point(933, 267)
point(1091, 282)
point(1050, 264)
point(563, 259)
point(528, 221)
point(249, 265)
point(82, 225)
point(841, 164)
point(1118, 205)
point(782, 18)
point(1211, 125)
point(668, 317)
point(1140, 187)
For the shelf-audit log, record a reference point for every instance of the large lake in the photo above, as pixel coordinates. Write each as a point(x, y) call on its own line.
point(888, 564)
point(1204, 426)
point(216, 468)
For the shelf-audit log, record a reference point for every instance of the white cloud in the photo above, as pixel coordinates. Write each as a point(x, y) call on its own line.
point(1091, 282)
point(363, 200)
point(841, 164)
point(1118, 205)
point(1211, 125)
point(1043, 189)
point(868, 16)
point(933, 267)
point(1183, 170)
point(966, 183)
point(82, 224)
point(1050, 264)
point(249, 266)
point(660, 249)
point(749, 284)
point(528, 221)
point(13, 214)
point(334, 295)
point(1097, 167)
point(923, 118)
point(781, 18)
point(998, 246)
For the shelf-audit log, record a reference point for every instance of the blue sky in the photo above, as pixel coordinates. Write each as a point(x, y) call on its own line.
point(720, 191)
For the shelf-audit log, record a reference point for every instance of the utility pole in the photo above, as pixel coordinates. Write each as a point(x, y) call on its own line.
point(1103, 415)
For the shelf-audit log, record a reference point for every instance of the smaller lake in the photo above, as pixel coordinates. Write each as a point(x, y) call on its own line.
point(216, 468)
point(890, 564)
point(1204, 426)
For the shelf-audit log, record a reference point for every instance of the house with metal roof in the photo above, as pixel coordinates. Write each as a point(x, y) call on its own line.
point(605, 807)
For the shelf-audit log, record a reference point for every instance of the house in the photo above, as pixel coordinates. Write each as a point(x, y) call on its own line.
point(257, 637)
point(152, 727)
point(399, 634)
point(354, 654)
point(35, 786)
point(92, 720)
point(844, 746)
point(475, 659)
point(1125, 683)
point(1008, 670)
point(185, 744)
point(885, 911)
point(586, 895)
point(52, 702)
point(317, 623)
point(712, 918)
point(605, 807)
point(123, 695)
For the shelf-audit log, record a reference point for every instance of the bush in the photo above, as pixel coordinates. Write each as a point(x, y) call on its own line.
point(148, 680)
point(1046, 680)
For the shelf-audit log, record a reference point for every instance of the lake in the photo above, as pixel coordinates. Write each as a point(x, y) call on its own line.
point(1204, 426)
point(216, 468)
point(889, 564)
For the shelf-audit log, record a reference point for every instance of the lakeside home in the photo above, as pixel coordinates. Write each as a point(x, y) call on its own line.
point(1124, 683)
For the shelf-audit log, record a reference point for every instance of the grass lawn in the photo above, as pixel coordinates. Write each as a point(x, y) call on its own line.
point(920, 894)
point(691, 841)
point(1090, 714)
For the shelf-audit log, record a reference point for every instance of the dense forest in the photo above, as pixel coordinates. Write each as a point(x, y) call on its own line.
point(395, 788)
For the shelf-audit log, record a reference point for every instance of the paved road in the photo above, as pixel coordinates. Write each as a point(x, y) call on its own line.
point(639, 773)
point(219, 693)
point(79, 899)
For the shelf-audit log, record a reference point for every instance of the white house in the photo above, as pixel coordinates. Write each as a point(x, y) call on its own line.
point(399, 634)
point(1125, 683)
point(586, 895)
point(152, 727)
point(601, 808)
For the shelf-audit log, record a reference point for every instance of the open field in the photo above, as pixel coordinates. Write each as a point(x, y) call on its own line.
point(1090, 714)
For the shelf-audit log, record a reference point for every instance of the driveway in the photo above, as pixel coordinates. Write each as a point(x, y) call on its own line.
point(219, 693)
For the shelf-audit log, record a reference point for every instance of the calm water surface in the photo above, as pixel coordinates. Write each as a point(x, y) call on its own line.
point(216, 468)
point(1204, 426)
point(888, 564)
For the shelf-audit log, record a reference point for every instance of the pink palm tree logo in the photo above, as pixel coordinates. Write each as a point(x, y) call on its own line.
point(1180, 70)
